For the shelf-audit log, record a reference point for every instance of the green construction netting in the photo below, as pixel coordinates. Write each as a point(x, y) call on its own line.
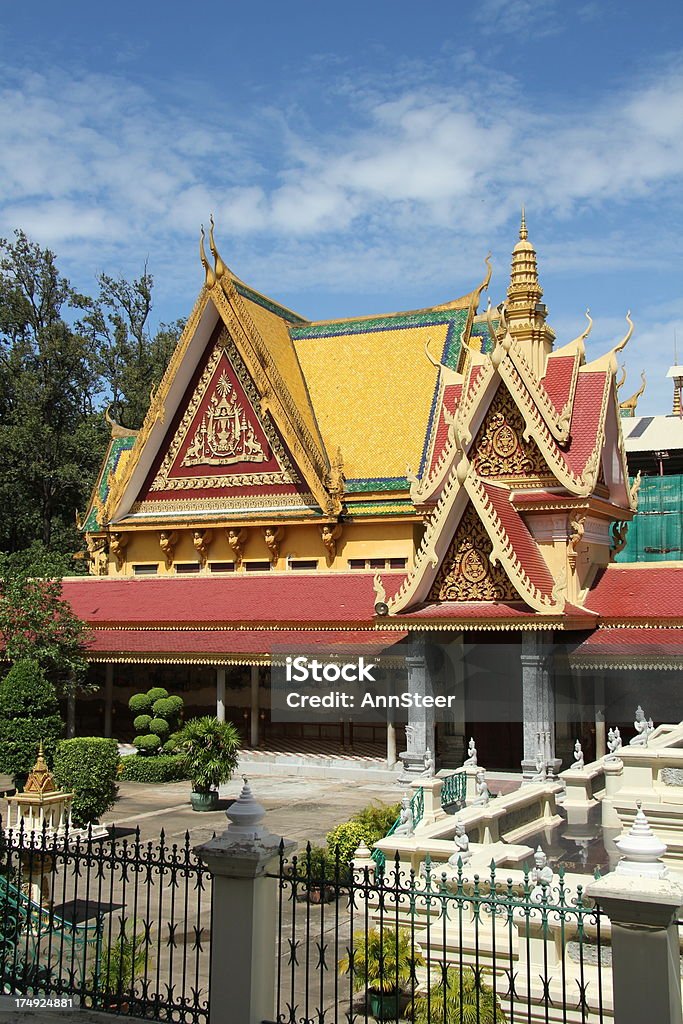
point(656, 532)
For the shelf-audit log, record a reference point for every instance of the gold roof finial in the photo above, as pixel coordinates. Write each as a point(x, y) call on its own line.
point(209, 275)
point(219, 265)
point(523, 233)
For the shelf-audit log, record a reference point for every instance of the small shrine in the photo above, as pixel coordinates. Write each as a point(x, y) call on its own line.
point(41, 807)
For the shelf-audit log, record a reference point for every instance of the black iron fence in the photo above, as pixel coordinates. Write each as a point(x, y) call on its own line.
point(440, 946)
point(113, 922)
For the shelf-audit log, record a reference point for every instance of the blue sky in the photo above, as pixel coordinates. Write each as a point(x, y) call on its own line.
point(359, 157)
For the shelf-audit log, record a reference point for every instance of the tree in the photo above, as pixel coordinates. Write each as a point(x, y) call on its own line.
point(29, 715)
point(131, 360)
point(51, 439)
point(36, 623)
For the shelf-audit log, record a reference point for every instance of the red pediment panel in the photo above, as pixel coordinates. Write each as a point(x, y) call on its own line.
point(219, 441)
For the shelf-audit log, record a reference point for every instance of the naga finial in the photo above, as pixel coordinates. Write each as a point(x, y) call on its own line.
point(209, 275)
point(219, 266)
point(430, 357)
point(622, 344)
point(622, 381)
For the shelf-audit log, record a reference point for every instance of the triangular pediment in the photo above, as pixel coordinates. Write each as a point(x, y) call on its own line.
point(220, 443)
point(467, 572)
point(500, 450)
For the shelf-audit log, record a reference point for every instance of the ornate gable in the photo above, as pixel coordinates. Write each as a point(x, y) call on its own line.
point(220, 445)
point(500, 450)
point(467, 572)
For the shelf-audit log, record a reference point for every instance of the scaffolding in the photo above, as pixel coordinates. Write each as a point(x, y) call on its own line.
point(656, 532)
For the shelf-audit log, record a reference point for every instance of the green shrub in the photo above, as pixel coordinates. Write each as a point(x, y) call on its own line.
point(29, 713)
point(167, 707)
point(177, 705)
point(147, 744)
point(141, 722)
point(210, 749)
point(461, 995)
point(170, 746)
point(378, 819)
point(140, 703)
point(347, 837)
point(160, 727)
point(88, 767)
point(153, 768)
point(157, 693)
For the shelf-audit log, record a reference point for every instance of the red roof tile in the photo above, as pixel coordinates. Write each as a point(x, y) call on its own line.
point(643, 592)
point(523, 544)
point(280, 598)
point(450, 400)
point(558, 379)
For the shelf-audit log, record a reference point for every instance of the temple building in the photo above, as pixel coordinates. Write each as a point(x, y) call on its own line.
point(448, 479)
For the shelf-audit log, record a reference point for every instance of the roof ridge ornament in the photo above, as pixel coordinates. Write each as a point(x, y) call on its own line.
point(220, 268)
point(209, 273)
point(523, 233)
point(624, 341)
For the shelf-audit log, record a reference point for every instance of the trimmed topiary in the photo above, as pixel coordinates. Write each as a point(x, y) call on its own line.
point(140, 703)
point(165, 712)
point(29, 713)
point(153, 768)
point(159, 726)
point(149, 743)
point(88, 767)
point(170, 746)
point(157, 693)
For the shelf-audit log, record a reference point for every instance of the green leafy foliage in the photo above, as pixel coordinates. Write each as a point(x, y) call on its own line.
point(154, 768)
point(121, 963)
point(35, 623)
point(459, 998)
point(140, 703)
point(147, 744)
point(159, 726)
point(29, 714)
point(368, 825)
point(160, 723)
point(88, 767)
point(210, 749)
point(382, 960)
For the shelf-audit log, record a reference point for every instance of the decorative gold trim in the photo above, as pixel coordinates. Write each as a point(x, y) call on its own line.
point(266, 501)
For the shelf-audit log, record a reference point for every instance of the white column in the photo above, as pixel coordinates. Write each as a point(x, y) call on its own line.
point(420, 728)
point(645, 954)
point(538, 704)
point(108, 697)
point(220, 693)
point(253, 731)
point(600, 739)
point(391, 744)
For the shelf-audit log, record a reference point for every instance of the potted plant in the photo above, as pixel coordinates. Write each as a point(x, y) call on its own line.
point(383, 963)
point(117, 968)
point(459, 998)
point(210, 752)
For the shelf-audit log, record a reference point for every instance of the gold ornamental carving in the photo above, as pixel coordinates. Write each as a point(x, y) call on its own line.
point(467, 573)
point(201, 540)
point(273, 536)
point(225, 435)
point(330, 534)
point(237, 538)
point(117, 546)
point(500, 449)
point(167, 542)
point(98, 550)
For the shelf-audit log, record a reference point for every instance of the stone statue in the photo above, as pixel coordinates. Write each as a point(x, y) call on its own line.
point(482, 790)
point(429, 764)
point(541, 876)
point(462, 846)
point(613, 743)
point(578, 756)
point(406, 824)
point(471, 753)
point(643, 726)
point(541, 773)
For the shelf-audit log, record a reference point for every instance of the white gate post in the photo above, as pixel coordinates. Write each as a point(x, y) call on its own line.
point(244, 915)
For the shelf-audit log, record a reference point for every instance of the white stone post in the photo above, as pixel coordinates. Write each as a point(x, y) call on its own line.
point(645, 952)
point(391, 744)
point(538, 705)
point(244, 915)
point(420, 728)
point(220, 693)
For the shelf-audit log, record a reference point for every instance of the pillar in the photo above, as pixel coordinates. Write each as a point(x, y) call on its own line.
point(244, 915)
point(645, 954)
point(254, 724)
point(391, 744)
point(108, 697)
point(70, 715)
point(220, 693)
point(538, 704)
point(420, 728)
point(600, 738)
